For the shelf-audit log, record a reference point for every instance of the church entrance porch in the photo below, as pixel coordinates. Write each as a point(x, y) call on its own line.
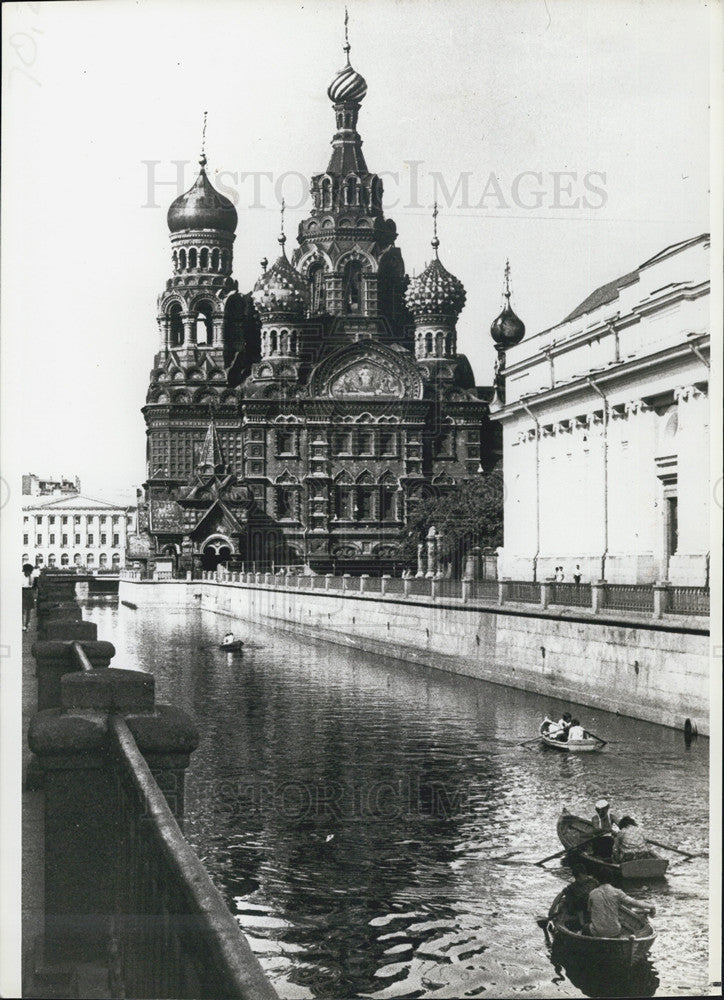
point(215, 552)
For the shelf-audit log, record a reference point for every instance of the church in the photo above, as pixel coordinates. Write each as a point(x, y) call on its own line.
point(300, 424)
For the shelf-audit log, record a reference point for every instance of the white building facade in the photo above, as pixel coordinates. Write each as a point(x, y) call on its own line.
point(606, 432)
point(76, 531)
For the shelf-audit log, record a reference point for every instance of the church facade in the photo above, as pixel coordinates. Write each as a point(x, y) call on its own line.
point(300, 424)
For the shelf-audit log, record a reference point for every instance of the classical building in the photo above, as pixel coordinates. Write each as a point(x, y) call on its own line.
point(301, 423)
point(75, 530)
point(605, 423)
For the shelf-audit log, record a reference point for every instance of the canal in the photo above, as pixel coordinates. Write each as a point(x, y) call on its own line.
point(373, 825)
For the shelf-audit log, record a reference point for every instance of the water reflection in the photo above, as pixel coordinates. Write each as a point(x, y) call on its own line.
point(373, 825)
point(601, 981)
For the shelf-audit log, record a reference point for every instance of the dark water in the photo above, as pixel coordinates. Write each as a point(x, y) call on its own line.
point(367, 820)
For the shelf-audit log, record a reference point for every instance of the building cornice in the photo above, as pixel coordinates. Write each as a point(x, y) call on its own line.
point(605, 377)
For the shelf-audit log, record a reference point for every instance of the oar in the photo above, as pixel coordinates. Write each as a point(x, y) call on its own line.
point(668, 847)
point(559, 854)
point(533, 740)
point(602, 742)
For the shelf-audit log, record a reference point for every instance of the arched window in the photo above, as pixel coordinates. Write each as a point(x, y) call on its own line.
point(448, 345)
point(192, 257)
point(175, 261)
point(116, 560)
point(428, 344)
point(90, 559)
point(224, 261)
point(204, 323)
point(215, 259)
point(292, 343)
point(352, 286)
point(51, 559)
point(64, 559)
point(327, 192)
point(204, 259)
point(439, 344)
point(316, 288)
point(182, 259)
point(272, 342)
point(284, 343)
point(351, 190)
point(39, 560)
point(102, 561)
point(77, 559)
point(175, 324)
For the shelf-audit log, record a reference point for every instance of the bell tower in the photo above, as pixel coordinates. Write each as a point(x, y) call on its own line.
point(347, 253)
point(196, 339)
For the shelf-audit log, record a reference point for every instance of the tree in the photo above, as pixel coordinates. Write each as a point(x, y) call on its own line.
point(464, 516)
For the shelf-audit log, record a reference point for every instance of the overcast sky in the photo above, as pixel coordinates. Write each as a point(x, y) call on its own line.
point(596, 111)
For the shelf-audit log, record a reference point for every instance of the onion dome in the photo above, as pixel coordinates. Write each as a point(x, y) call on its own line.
point(348, 85)
point(507, 330)
point(202, 207)
point(281, 289)
point(435, 292)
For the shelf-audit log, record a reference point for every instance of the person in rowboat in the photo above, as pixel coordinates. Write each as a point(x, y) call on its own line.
point(559, 730)
point(603, 820)
point(228, 639)
point(629, 843)
point(604, 904)
point(576, 732)
point(577, 892)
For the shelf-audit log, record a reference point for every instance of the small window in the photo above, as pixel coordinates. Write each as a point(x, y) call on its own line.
point(26, 539)
point(103, 539)
point(365, 443)
point(285, 503)
point(286, 443)
point(39, 540)
point(51, 519)
point(51, 539)
point(116, 541)
point(77, 540)
point(90, 540)
point(64, 519)
point(365, 503)
point(64, 540)
point(388, 443)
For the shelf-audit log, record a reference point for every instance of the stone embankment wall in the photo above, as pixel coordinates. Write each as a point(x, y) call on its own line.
point(657, 671)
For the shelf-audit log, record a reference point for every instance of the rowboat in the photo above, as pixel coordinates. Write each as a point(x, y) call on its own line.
point(232, 647)
point(628, 949)
point(595, 854)
point(571, 746)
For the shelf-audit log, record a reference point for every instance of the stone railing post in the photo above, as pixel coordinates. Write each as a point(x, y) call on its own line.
point(502, 591)
point(383, 583)
point(54, 659)
point(407, 586)
point(662, 598)
point(598, 595)
point(82, 808)
point(345, 578)
point(545, 593)
point(433, 588)
point(466, 590)
point(363, 582)
point(328, 577)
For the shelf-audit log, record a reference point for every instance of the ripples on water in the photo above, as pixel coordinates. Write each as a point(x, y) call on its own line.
point(367, 820)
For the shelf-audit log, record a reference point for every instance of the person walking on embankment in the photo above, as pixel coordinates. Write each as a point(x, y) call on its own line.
point(29, 584)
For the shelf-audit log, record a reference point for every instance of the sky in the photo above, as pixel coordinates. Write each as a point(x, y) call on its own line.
point(570, 137)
